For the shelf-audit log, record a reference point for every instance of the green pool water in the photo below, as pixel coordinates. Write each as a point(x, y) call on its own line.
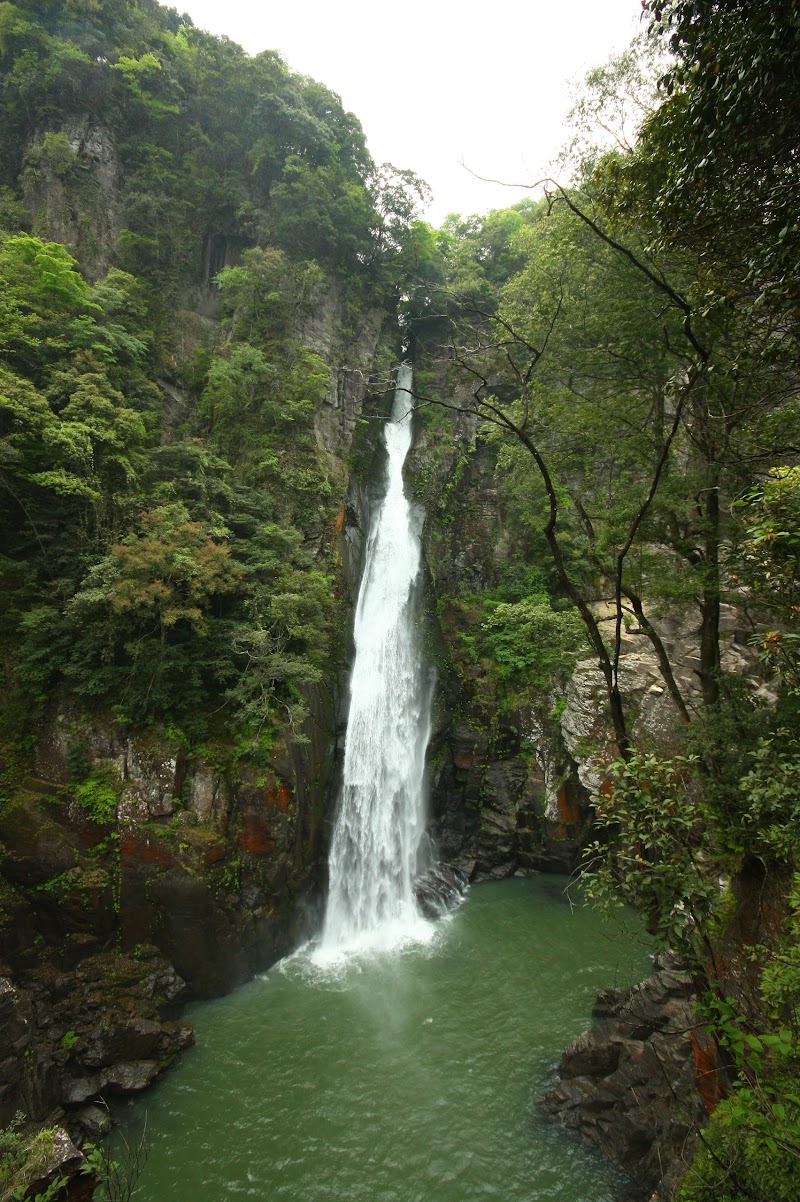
point(411, 1077)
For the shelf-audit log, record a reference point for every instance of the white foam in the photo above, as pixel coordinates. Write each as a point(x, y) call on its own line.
point(380, 823)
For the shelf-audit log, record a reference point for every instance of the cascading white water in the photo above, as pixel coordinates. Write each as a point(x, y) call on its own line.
point(380, 820)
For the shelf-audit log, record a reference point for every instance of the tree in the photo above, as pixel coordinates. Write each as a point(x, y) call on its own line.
point(141, 615)
point(721, 149)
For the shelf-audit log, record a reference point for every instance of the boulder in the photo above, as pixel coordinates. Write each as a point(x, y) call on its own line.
point(94, 1121)
point(64, 1160)
point(129, 1076)
point(628, 1085)
point(440, 890)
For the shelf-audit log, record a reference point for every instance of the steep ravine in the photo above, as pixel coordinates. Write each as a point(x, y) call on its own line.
point(178, 871)
point(204, 873)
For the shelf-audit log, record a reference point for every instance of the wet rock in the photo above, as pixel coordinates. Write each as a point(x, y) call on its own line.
point(17, 1027)
point(64, 1160)
point(15, 1023)
point(131, 1076)
point(151, 782)
point(133, 1040)
point(204, 790)
point(440, 890)
point(628, 1084)
point(80, 1089)
point(34, 847)
point(609, 1002)
point(183, 1033)
point(489, 807)
point(163, 986)
point(85, 216)
point(69, 1031)
point(350, 359)
point(94, 1121)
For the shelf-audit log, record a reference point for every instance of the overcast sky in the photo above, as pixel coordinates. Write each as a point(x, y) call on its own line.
point(435, 82)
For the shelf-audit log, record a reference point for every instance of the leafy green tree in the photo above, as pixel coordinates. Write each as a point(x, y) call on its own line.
point(322, 213)
point(721, 147)
point(162, 575)
point(265, 294)
point(140, 620)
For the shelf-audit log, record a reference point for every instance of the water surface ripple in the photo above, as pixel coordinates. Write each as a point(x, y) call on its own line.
point(411, 1077)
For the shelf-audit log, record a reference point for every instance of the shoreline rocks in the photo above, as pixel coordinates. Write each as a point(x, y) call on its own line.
point(629, 1085)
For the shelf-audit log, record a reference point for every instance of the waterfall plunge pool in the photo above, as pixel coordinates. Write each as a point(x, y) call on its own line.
point(409, 1077)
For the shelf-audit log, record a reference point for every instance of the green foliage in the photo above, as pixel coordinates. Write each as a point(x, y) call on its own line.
point(632, 346)
point(772, 791)
point(780, 980)
point(751, 1148)
point(771, 547)
point(509, 647)
point(55, 1189)
point(724, 739)
point(116, 1176)
point(716, 150)
point(25, 1155)
point(97, 796)
point(752, 1145)
point(530, 642)
point(11, 1145)
point(650, 851)
point(266, 291)
point(138, 601)
point(769, 565)
point(165, 550)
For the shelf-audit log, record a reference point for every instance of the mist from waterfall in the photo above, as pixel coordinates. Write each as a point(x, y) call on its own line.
point(380, 821)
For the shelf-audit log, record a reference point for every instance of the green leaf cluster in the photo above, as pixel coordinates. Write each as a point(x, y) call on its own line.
point(25, 1154)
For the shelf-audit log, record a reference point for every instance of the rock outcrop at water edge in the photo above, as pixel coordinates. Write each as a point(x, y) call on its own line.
point(633, 1084)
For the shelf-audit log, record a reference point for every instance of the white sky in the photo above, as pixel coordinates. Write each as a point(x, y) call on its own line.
point(434, 82)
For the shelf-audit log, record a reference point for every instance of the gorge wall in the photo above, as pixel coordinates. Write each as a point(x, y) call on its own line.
point(138, 869)
point(514, 761)
point(174, 874)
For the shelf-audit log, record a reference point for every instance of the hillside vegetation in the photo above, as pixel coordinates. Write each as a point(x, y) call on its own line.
point(166, 550)
point(629, 347)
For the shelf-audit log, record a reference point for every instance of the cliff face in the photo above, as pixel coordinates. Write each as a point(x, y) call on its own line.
point(147, 845)
point(183, 876)
point(137, 871)
point(141, 866)
point(505, 792)
point(513, 768)
point(513, 773)
point(71, 187)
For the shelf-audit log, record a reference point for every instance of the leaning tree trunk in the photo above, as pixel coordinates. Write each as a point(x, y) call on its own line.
point(710, 598)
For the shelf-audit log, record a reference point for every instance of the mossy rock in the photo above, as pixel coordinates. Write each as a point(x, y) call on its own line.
point(35, 846)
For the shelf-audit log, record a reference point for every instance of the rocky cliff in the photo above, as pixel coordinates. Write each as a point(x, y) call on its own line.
point(513, 767)
point(137, 872)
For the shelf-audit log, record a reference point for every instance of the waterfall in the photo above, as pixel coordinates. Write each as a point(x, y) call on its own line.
point(380, 820)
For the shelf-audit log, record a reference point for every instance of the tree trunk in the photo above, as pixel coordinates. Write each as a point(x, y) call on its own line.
point(710, 603)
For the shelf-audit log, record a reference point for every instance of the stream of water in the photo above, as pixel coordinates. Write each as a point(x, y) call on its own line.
point(380, 821)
